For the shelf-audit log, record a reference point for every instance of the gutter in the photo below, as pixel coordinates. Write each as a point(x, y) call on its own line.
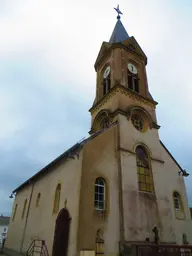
point(121, 212)
point(66, 154)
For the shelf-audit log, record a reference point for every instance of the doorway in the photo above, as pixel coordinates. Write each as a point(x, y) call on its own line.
point(61, 236)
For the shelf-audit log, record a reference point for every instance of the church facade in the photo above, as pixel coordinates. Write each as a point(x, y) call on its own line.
point(120, 186)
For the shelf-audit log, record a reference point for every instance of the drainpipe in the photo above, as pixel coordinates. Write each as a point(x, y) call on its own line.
point(121, 212)
point(26, 219)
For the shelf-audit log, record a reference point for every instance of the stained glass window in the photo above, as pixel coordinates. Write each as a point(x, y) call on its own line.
point(144, 174)
point(137, 122)
point(105, 123)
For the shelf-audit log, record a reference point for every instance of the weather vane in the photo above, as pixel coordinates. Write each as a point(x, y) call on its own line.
point(118, 11)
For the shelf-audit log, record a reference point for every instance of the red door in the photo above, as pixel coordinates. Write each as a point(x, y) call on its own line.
point(61, 237)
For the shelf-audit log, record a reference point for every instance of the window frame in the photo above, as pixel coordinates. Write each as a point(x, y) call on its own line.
point(107, 84)
point(134, 79)
point(24, 209)
point(97, 201)
point(140, 119)
point(144, 172)
point(38, 199)
point(105, 123)
point(57, 198)
point(14, 213)
point(177, 201)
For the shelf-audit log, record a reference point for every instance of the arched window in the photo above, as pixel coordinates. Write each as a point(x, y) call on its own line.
point(106, 81)
point(145, 178)
point(133, 81)
point(24, 208)
point(100, 194)
point(14, 213)
point(178, 206)
point(57, 198)
point(106, 85)
point(38, 199)
point(177, 200)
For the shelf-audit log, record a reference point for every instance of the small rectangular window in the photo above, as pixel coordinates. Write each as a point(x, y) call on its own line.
point(130, 82)
point(176, 203)
point(136, 84)
point(14, 213)
point(109, 84)
point(104, 87)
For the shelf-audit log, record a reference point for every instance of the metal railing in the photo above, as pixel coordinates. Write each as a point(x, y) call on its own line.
point(152, 249)
point(37, 247)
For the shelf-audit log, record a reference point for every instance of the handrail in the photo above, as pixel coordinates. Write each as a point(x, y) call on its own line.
point(34, 246)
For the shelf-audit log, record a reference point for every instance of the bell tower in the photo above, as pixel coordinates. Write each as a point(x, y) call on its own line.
point(123, 99)
point(121, 85)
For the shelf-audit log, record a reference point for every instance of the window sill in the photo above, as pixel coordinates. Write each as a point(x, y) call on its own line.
point(148, 193)
point(100, 213)
point(177, 218)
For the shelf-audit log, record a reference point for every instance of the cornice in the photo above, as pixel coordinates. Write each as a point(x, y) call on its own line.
point(121, 89)
point(124, 113)
point(133, 153)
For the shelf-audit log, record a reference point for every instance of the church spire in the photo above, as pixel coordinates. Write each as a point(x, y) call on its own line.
point(119, 33)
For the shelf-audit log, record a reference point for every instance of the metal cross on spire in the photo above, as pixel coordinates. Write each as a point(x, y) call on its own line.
point(118, 11)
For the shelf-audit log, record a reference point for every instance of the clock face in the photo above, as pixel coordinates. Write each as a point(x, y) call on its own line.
point(132, 68)
point(107, 71)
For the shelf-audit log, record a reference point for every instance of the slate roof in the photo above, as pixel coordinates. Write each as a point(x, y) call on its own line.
point(4, 220)
point(171, 156)
point(70, 154)
point(119, 33)
point(67, 154)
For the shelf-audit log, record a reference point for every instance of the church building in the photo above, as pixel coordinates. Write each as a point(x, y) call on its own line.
point(117, 188)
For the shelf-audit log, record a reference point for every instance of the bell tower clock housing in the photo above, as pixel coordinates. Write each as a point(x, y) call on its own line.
point(121, 84)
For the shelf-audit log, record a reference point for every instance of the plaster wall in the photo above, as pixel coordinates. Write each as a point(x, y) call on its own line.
point(16, 227)
point(99, 160)
point(41, 220)
point(143, 211)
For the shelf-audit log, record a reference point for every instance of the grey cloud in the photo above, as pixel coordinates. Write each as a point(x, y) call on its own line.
point(48, 80)
point(51, 122)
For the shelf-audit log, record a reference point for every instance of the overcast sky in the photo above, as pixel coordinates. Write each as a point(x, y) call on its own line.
point(47, 52)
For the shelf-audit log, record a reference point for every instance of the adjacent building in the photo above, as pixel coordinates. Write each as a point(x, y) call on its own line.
point(4, 223)
point(119, 186)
